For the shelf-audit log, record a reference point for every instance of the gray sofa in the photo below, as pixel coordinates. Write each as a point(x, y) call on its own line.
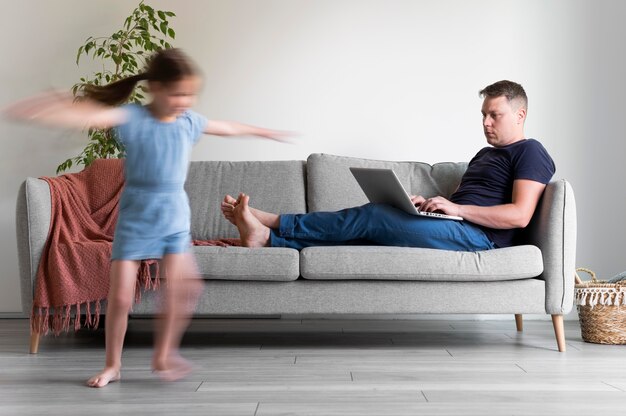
point(533, 278)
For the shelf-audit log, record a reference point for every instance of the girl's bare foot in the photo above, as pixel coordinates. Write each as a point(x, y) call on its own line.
point(174, 369)
point(108, 375)
point(251, 231)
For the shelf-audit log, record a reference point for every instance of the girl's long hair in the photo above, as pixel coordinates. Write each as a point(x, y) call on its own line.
point(166, 66)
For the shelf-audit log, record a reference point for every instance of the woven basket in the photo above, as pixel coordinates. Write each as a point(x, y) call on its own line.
point(601, 309)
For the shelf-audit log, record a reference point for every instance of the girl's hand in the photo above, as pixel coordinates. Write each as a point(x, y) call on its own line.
point(59, 109)
point(277, 135)
point(37, 106)
point(232, 128)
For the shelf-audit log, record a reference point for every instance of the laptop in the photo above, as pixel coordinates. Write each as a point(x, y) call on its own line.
point(382, 186)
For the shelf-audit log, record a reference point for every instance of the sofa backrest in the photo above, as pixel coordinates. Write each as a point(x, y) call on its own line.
point(331, 185)
point(275, 186)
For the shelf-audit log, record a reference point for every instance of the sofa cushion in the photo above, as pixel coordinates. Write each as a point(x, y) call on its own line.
point(331, 186)
point(241, 263)
point(401, 263)
point(274, 186)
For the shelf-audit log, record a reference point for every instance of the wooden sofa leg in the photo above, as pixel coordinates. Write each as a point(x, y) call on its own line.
point(34, 336)
point(519, 322)
point(34, 342)
point(559, 331)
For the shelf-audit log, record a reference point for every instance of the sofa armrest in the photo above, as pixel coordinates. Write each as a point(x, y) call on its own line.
point(32, 220)
point(553, 230)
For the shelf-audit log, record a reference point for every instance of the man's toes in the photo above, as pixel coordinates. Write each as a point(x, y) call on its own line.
point(230, 200)
point(226, 207)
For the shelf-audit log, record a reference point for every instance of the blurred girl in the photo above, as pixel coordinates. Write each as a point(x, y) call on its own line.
point(154, 214)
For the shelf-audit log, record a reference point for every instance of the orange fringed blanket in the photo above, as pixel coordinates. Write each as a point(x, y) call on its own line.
point(74, 267)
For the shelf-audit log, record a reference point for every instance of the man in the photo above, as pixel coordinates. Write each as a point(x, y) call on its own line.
point(497, 195)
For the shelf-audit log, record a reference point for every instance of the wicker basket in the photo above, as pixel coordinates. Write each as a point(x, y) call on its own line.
point(601, 309)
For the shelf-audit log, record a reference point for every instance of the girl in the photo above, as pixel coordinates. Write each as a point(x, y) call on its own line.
point(154, 217)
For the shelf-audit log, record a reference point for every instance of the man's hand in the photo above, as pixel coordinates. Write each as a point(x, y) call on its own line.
point(441, 205)
point(417, 200)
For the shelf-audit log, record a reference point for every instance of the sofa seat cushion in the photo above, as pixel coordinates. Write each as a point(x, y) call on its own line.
point(401, 263)
point(241, 263)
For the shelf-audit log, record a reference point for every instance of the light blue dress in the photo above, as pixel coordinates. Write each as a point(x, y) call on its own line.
point(154, 214)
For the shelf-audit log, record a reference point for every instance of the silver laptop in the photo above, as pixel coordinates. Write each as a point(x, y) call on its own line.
point(382, 186)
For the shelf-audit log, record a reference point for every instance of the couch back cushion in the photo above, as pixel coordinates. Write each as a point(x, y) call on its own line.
point(275, 186)
point(331, 185)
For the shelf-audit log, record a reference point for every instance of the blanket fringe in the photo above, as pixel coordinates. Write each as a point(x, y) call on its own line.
point(44, 320)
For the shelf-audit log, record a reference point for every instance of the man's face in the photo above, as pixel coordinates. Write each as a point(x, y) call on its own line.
point(503, 121)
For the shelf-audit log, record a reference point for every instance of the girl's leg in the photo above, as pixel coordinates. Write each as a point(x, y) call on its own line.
point(183, 287)
point(123, 277)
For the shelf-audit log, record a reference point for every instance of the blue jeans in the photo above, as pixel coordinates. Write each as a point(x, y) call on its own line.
point(376, 224)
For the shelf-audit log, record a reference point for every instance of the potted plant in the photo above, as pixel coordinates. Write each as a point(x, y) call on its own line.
point(122, 54)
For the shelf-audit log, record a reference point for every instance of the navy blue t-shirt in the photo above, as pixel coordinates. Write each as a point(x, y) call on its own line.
point(489, 178)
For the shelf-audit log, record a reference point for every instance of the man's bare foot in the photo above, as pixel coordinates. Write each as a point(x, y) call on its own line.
point(108, 375)
point(252, 232)
point(228, 205)
point(266, 218)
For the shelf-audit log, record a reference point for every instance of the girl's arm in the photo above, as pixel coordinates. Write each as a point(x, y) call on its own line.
point(232, 128)
point(60, 110)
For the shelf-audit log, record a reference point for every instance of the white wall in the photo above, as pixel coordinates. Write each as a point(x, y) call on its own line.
point(395, 79)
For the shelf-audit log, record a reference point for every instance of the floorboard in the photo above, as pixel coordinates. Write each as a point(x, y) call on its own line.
point(276, 367)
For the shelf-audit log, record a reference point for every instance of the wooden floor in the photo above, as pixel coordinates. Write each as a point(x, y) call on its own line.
point(322, 367)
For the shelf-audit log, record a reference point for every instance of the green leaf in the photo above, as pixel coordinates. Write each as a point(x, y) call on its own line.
point(80, 50)
point(161, 15)
point(171, 32)
point(170, 14)
point(163, 26)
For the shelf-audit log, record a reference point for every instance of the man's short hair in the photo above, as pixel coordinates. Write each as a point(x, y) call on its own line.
point(511, 90)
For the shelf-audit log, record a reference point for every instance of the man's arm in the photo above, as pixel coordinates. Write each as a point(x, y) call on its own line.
point(517, 214)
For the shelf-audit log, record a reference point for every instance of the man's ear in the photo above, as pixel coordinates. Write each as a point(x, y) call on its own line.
point(521, 115)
